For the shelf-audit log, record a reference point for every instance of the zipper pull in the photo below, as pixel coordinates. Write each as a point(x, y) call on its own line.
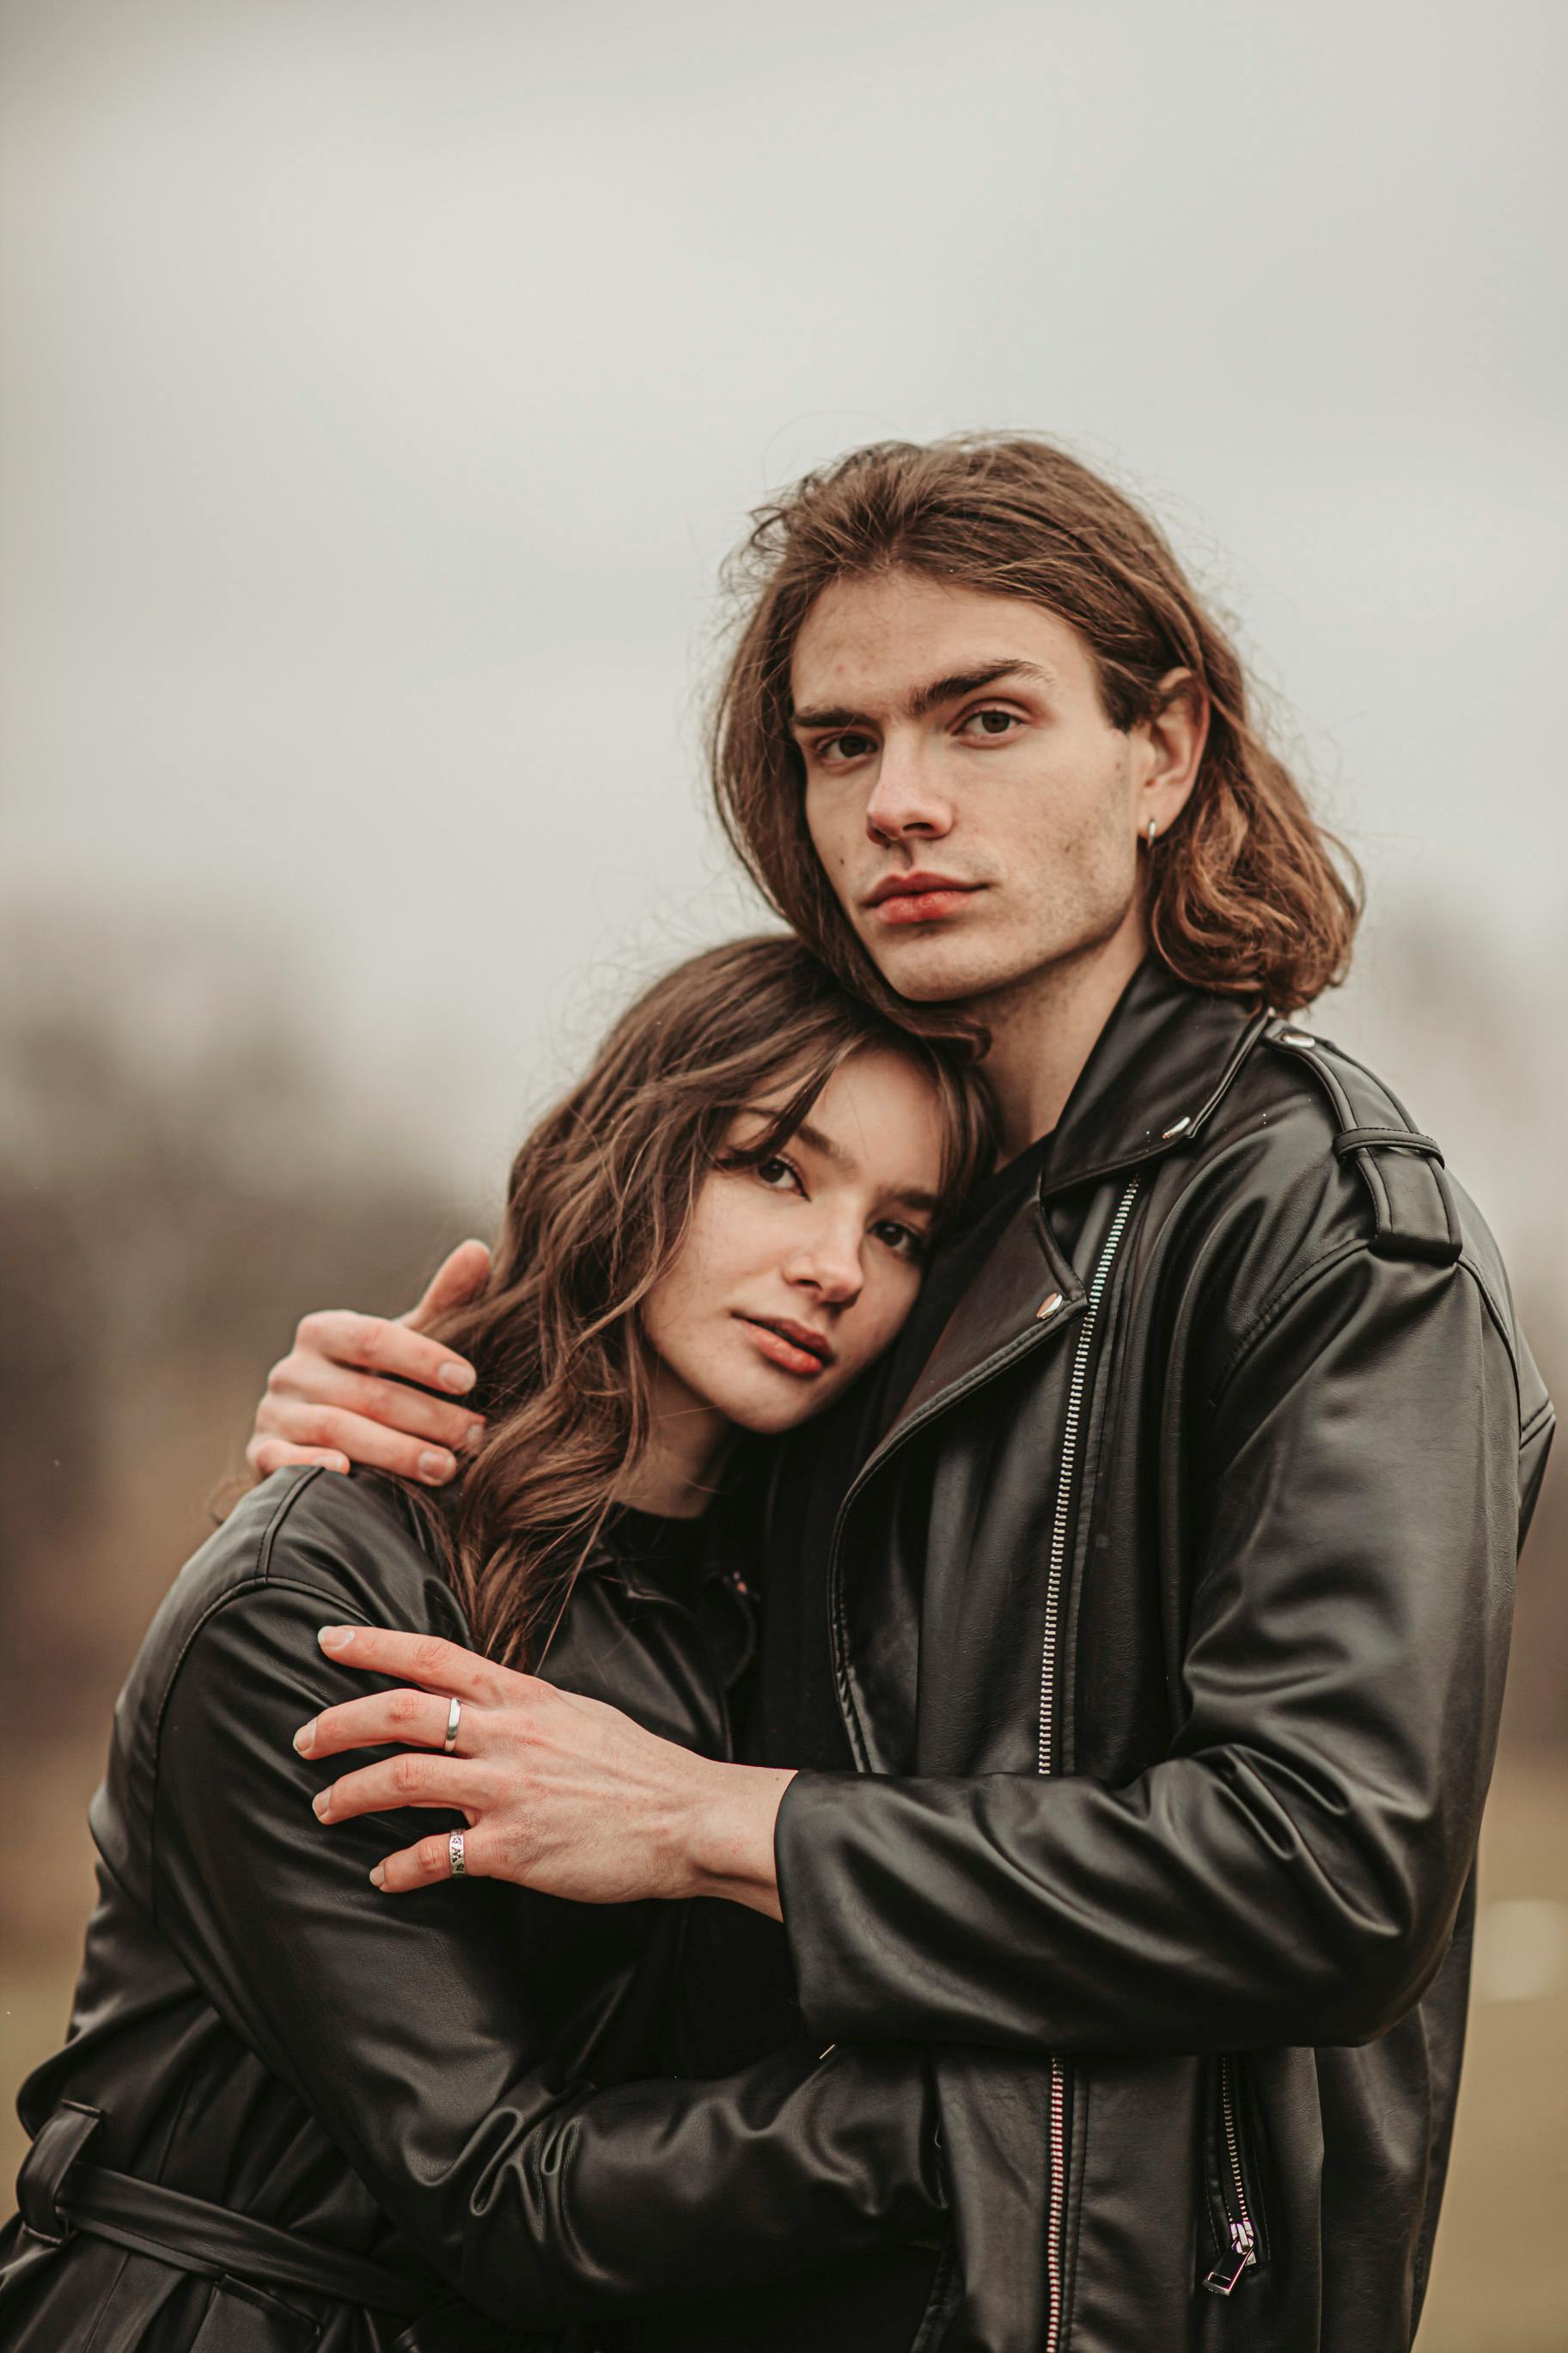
point(1228, 2273)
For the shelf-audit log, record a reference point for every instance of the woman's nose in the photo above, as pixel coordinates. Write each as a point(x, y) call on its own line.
point(830, 1265)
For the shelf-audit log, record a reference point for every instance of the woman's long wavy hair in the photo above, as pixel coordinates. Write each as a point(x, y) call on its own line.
point(598, 1206)
point(1245, 894)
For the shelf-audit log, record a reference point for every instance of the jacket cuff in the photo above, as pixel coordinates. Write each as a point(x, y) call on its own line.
point(836, 1885)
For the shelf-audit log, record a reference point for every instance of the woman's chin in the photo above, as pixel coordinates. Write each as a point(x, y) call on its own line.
point(771, 1403)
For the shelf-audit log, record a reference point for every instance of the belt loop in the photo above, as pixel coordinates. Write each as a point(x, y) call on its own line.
point(59, 2141)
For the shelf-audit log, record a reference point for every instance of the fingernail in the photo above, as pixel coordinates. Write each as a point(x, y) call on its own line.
point(473, 1438)
point(459, 1379)
point(378, 1877)
point(320, 1803)
point(335, 1637)
point(436, 1468)
point(304, 1736)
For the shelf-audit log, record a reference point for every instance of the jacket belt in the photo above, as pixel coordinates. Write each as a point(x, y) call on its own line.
point(57, 2194)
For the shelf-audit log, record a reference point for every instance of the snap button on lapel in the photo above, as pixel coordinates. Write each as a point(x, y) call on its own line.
point(1049, 1308)
point(1297, 1038)
point(1175, 1129)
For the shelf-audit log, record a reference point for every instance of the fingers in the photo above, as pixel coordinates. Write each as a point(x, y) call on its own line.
point(414, 1778)
point(308, 1430)
point(460, 1274)
point(430, 1861)
point(383, 1720)
point(312, 1381)
point(375, 1344)
point(266, 1456)
point(423, 1659)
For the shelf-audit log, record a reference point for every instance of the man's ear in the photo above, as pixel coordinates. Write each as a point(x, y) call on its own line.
point(1172, 745)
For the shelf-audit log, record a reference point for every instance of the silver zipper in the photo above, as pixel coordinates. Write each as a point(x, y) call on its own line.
point(1227, 2272)
point(1055, 1577)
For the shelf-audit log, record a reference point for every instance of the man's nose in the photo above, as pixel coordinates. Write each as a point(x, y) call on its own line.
point(905, 798)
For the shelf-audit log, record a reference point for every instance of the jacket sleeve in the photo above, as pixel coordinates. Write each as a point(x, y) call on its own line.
point(405, 2025)
point(1289, 1873)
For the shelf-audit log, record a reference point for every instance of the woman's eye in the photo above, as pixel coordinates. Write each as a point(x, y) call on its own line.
point(779, 1174)
point(994, 724)
point(902, 1239)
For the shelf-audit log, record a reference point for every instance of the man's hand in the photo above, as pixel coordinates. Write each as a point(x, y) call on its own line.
point(339, 1396)
point(561, 1793)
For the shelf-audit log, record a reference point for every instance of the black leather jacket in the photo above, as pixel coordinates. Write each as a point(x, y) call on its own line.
point(1171, 1618)
point(436, 2083)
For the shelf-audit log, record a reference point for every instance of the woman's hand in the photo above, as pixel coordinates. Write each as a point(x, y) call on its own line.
point(561, 1793)
point(342, 1394)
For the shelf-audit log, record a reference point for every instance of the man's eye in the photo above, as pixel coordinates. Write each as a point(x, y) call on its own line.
point(847, 747)
point(992, 723)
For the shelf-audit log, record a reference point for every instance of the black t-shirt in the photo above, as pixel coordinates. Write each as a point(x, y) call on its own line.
point(667, 1552)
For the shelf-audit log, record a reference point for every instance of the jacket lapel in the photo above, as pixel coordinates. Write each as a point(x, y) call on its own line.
point(1160, 1066)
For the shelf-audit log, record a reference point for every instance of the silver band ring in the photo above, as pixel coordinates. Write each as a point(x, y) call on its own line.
point(453, 1714)
point(454, 1849)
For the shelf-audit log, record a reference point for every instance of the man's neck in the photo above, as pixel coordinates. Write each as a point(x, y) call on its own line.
point(1044, 1027)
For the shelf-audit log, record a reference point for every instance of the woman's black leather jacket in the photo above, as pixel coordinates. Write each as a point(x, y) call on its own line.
point(1171, 1617)
point(438, 2084)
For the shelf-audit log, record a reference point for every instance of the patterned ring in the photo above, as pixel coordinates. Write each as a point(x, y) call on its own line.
point(454, 1849)
point(454, 1715)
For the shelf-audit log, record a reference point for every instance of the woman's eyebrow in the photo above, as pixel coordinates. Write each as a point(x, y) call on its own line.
point(907, 1197)
point(916, 1199)
point(926, 698)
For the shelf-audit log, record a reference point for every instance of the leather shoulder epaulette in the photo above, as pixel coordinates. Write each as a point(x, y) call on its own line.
point(1413, 1203)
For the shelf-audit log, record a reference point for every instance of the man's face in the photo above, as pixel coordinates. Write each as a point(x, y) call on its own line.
point(956, 741)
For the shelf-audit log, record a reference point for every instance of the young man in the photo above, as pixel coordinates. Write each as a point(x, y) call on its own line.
point(1133, 1654)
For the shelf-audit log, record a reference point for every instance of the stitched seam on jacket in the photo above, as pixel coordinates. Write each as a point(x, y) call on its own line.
point(1309, 1274)
point(1538, 1420)
point(242, 1592)
point(1272, 1309)
point(1499, 1323)
point(260, 1576)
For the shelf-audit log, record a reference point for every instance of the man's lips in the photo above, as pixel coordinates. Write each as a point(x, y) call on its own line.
point(795, 1347)
point(919, 898)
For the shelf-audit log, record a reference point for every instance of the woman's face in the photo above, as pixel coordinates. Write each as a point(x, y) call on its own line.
point(795, 1273)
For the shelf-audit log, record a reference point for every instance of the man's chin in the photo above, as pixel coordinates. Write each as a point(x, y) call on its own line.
point(934, 971)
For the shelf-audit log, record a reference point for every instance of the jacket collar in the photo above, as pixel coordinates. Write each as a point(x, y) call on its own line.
point(1155, 1072)
point(1158, 1068)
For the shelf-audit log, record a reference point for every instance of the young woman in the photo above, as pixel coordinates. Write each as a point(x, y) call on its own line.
point(290, 2112)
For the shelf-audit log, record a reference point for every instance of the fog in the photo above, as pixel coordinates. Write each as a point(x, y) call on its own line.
point(386, 385)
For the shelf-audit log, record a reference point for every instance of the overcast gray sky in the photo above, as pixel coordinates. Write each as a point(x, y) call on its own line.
point(385, 381)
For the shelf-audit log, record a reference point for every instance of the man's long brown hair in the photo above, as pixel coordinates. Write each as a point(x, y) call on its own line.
point(598, 1205)
point(1245, 894)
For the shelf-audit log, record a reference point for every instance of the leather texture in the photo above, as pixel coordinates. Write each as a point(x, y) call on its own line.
point(446, 2085)
point(1226, 1542)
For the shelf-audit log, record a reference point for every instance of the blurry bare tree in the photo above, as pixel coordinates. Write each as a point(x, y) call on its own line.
point(180, 1178)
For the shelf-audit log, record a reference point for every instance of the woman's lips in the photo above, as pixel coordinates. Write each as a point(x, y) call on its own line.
point(787, 1354)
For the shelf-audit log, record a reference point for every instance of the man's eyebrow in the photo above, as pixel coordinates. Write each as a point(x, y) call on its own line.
point(908, 1197)
point(926, 698)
